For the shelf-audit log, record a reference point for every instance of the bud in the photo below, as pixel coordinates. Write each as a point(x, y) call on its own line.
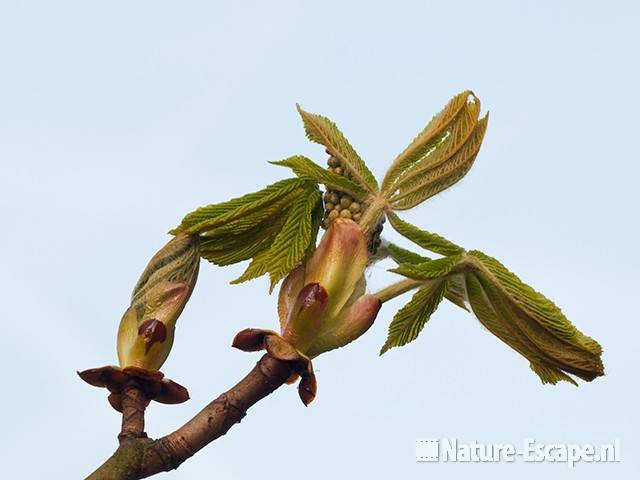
point(322, 306)
point(352, 323)
point(306, 319)
point(146, 331)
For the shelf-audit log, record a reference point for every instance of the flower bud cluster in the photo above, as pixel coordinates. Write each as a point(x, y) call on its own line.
point(339, 204)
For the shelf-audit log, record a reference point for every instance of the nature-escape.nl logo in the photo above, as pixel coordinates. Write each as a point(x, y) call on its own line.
point(453, 450)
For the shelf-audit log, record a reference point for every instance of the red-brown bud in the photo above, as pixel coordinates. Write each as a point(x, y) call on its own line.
point(321, 306)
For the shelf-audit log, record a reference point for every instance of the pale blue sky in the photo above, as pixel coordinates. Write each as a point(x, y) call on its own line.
point(116, 118)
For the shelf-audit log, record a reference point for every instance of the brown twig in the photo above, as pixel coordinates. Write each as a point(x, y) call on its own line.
point(142, 457)
point(134, 403)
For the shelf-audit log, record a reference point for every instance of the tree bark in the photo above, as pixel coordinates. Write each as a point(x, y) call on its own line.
point(134, 403)
point(141, 457)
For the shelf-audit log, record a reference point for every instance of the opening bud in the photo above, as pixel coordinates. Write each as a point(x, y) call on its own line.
point(321, 304)
point(146, 331)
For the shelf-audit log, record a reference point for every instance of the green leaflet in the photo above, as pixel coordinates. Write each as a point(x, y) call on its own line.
point(321, 130)
point(230, 248)
point(554, 346)
point(529, 299)
point(430, 269)
point(427, 140)
point(304, 167)
point(428, 241)
point(458, 134)
point(455, 292)
point(446, 169)
point(409, 321)
point(275, 227)
point(210, 217)
point(294, 240)
point(439, 156)
point(290, 245)
point(402, 255)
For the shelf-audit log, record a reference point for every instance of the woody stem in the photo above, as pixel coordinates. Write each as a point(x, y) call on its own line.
point(143, 457)
point(134, 403)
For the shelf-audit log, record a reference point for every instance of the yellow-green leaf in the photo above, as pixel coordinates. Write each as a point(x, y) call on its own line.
point(411, 319)
point(427, 240)
point(321, 130)
point(432, 135)
point(304, 167)
point(433, 177)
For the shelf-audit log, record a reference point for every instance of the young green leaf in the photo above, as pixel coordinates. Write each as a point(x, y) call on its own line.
point(429, 179)
point(230, 248)
point(402, 255)
point(427, 240)
point(533, 303)
point(430, 269)
point(321, 130)
point(521, 317)
point(455, 292)
point(305, 168)
point(411, 319)
point(207, 218)
point(292, 243)
point(275, 227)
point(432, 136)
point(529, 323)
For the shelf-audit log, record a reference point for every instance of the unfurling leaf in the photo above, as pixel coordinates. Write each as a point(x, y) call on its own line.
point(304, 167)
point(292, 242)
point(530, 323)
point(427, 240)
point(275, 227)
point(439, 156)
point(432, 135)
point(430, 269)
point(428, 182)
point(220, 215)
point(411, 319)
point(321, 130)
point(455, 291)
point(402, 255)
point(518, 315)
point(146, 331)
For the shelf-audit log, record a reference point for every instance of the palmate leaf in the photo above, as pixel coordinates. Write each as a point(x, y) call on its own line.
point(305, 168)
point(321, 130)
point(275, 227)
point(409, 321)
point(514, 312)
